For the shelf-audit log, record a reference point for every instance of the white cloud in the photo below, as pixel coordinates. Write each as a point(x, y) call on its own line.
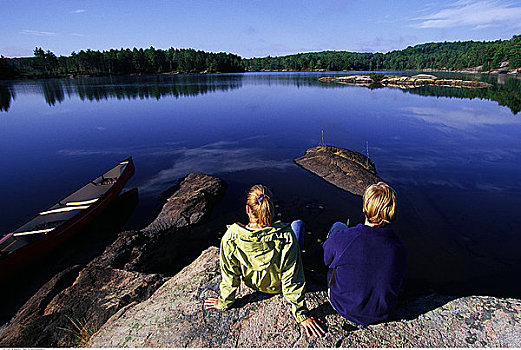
point(36, 32)
point(478, 14)
point(80, 11)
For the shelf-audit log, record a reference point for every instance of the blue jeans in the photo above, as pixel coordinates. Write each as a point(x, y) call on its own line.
point(337, 226)
point(299, 227)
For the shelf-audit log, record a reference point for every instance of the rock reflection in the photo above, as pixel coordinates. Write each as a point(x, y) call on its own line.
point(508, 93)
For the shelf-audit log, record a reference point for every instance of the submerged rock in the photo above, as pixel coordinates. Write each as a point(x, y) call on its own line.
point(174, 317)
point(348, 170)
point(89, 296)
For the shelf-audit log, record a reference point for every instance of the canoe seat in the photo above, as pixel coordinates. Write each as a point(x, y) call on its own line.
point(34, 232)
point(64, 209)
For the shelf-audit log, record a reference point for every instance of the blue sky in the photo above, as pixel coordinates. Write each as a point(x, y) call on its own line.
point(250, 28)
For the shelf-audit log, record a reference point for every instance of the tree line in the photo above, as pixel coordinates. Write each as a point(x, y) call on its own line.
point(436, 56)
point(121, 62)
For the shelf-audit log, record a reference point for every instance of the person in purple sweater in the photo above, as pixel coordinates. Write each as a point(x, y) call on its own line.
point(367, 263)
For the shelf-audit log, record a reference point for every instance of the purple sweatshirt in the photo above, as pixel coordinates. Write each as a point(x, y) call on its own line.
point(369, 264)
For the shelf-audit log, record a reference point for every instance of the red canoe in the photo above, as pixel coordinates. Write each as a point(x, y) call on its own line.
point(54, 225)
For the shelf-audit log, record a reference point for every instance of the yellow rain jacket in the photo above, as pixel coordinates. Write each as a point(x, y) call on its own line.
point(267, 260)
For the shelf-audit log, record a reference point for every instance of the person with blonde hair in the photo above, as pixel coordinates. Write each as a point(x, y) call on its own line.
point(266, 257)
point(367, 263)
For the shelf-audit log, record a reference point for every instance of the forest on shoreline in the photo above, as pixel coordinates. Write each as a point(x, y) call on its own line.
point(450, 56)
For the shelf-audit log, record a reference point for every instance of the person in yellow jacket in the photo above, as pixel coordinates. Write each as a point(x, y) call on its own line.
point(266, 257)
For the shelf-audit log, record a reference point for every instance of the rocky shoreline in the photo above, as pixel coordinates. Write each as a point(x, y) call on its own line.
point(174, 317)
point(404, 82)
point(118, 304)
point(89, 295)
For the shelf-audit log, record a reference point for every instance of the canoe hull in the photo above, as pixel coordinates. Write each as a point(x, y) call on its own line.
point(24, 256)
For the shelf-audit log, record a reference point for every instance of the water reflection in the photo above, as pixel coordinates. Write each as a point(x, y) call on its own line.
point(220, 157)
point(151, 86)
point(133, 87)
point(506, 90)
point(462, 119)
point(53, 92)
point(7, 95)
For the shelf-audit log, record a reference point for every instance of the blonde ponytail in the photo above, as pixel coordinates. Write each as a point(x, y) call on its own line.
point(261, 203)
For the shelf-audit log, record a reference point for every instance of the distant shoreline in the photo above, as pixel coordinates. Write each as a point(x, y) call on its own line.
point(509, 72)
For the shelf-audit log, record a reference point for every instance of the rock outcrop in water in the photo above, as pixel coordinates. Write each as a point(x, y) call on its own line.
point(190, 204)
point(89, 296)
point(348, 170)
point(174, 317)
point(405, 82)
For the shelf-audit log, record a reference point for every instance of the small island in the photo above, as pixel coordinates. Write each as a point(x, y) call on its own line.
point(403, 82)
point(348, 170)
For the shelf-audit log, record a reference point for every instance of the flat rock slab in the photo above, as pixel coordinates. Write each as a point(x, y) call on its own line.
point(348, 170)
point(174, 317)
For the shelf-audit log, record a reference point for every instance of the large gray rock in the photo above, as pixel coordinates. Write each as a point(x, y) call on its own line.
point(190, 204)
point(348, 170)
point(174, 317)
point(89, 295)
point(111, 281)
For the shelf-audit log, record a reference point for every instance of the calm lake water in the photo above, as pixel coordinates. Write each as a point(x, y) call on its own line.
point(453, 156)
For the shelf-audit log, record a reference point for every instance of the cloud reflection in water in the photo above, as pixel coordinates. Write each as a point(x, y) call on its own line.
point(216, 158)
point(462, 118)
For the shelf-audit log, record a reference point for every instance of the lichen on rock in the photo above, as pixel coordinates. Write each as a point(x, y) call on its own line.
point(174, 317)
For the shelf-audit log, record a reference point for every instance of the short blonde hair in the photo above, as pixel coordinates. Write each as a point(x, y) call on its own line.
point(261, 203)
point(380, 204)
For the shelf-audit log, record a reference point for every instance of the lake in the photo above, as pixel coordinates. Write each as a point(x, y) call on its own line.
point(453, 156)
